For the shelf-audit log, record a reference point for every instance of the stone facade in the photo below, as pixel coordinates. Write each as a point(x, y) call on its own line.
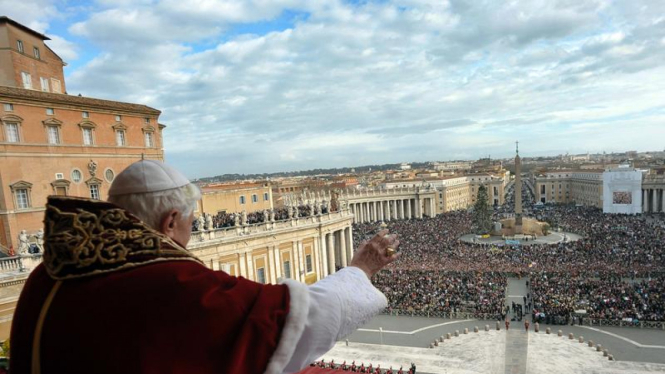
point(22, 54)
point(583, 187)
point(305, 249)
point(455, 193)
point(57, 144)
point(234, 198)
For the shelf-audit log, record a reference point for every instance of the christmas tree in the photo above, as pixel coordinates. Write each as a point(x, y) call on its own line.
point(482, 215)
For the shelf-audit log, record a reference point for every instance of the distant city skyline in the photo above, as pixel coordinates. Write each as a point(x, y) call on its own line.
point(254, 86)
point(360, 168)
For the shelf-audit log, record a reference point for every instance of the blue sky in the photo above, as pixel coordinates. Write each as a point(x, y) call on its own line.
point(278, 85)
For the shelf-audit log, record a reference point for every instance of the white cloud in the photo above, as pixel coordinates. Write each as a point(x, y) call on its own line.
point(372, 83)
point(64, 48)
point(33, 13)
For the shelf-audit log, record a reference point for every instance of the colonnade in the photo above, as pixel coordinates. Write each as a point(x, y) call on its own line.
point(391, 209)
point(653, 200)
point(336, 250)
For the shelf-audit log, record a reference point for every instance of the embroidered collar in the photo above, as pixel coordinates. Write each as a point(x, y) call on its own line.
point(84, 237)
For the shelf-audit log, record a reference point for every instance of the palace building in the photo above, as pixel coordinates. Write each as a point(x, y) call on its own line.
point(52, 143)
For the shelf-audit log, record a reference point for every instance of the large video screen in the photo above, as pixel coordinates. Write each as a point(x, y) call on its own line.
point(622, 197)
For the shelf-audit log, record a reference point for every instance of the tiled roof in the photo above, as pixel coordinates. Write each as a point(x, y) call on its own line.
point(5, 19)
point(53, 98)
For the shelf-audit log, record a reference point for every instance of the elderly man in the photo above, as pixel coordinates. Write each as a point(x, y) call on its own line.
point(119, 293)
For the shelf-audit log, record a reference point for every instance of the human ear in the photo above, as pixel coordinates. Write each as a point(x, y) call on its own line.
point(169, 223)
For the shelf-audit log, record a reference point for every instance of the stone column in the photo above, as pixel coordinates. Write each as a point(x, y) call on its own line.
point(278, 263)
point(301, 253)
point(386, 210)
point(295, 259)
point(331, 254)
point(419, 213)
point(408, 209)
point(352, 209)
point(324, 255)
point(662, 200)
point(342, 246)
point(432, 207)
point(654, 202)
point(271, 278)
point(250, 266)
point(645, 201)
point(242, 261)
point(349, 243)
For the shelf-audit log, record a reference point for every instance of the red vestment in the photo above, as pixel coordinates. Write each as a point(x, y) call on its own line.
point(127, 299)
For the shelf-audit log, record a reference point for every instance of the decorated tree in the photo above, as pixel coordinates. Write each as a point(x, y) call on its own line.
point(482, 215)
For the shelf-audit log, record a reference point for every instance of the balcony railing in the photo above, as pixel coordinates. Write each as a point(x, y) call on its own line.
point(22, 263)
point(266, 227)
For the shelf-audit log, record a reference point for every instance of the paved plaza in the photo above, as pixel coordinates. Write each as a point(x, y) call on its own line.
point(626, 344)
point(631, 347)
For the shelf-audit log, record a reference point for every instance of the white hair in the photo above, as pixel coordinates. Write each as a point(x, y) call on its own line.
point(150, 207)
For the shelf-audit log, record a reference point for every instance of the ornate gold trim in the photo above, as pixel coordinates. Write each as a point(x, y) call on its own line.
point(86, 237)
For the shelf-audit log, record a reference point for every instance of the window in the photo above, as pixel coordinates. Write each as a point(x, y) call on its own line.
point(21, 192)
point(12, 132)
point(85, 114)
point(148, 140)
point(27, 80)
point(109, 175)
point(44, 82)
point(60, 185)
point(22, 201)
point(19, 45)
point(94, 191)
point(287, 269)
point(118, 118)
point(146, 120)
point(35, 51)
point(9, 107)
point(87, 136)
point(265, 196)
point(50, 111)
point(261, 275)
point(255, 199)
point(242, 199)
point(53, 134)
point(308, 263)
point(55, 85)
point(77, 175)
point(120, 137)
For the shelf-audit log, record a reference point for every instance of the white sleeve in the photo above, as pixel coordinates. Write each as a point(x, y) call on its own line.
point(323, 313)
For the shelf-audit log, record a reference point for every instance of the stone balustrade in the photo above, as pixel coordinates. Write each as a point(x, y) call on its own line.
point(18, 264)
point(262, 228)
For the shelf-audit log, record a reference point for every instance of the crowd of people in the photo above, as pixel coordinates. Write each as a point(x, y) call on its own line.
point(437, 292)
point(558, 295)
point(224, 219)
point(370, 369)
point(438, 271)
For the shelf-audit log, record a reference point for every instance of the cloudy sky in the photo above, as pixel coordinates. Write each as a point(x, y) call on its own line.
point(278, 85)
